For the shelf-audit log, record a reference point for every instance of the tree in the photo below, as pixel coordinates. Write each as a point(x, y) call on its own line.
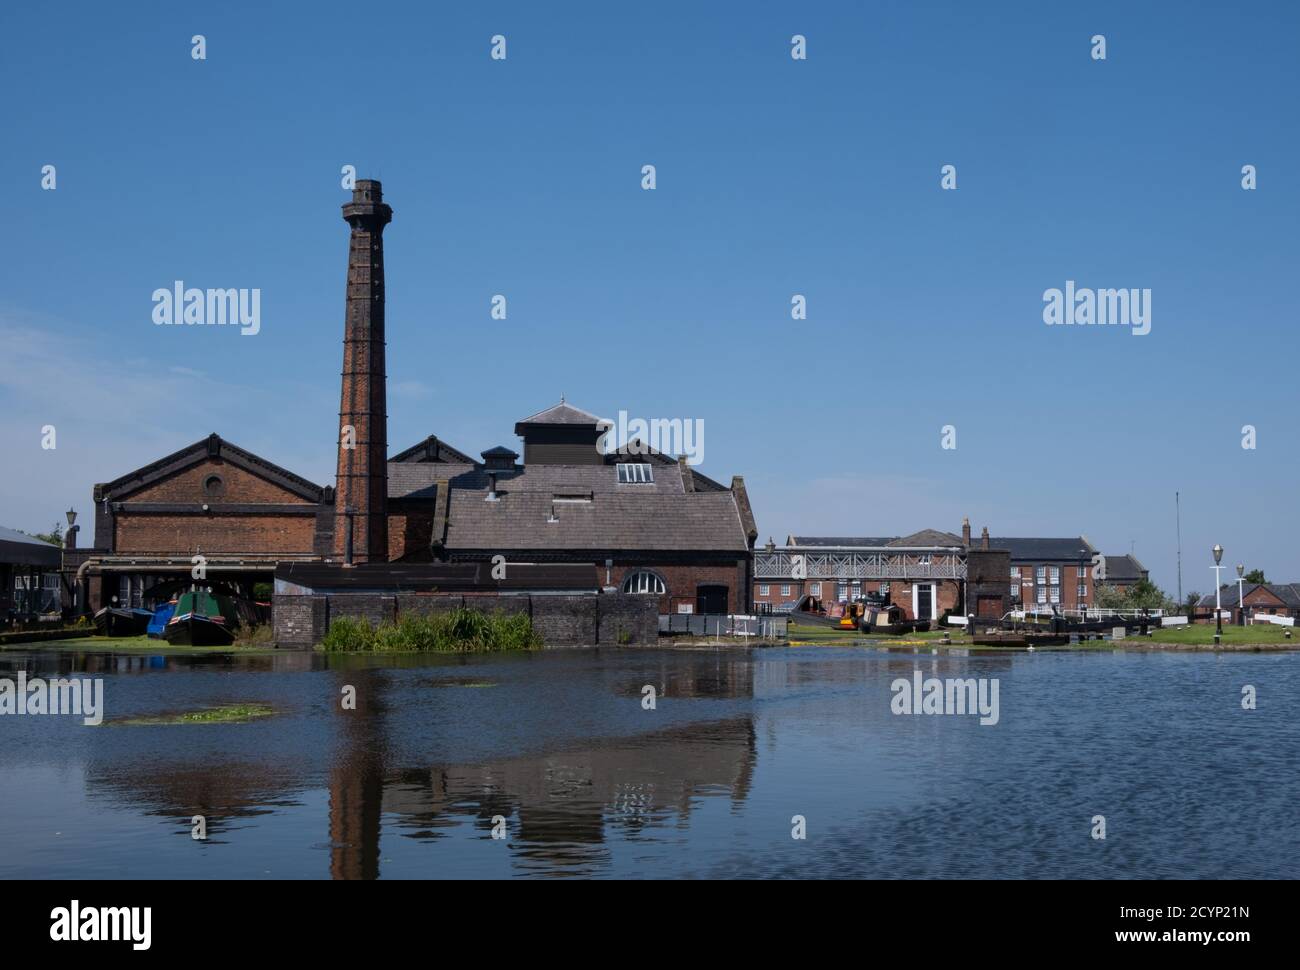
point(1146, 595)
point(1108, 597)
point(1255, 576)
point(54, 536)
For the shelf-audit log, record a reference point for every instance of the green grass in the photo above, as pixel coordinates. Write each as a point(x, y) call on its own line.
point(1203, 633)
point(231, 714)
point(457, 631)
point(807, 633)
point(136, 645)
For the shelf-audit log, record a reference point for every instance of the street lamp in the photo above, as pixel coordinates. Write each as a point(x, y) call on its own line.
point(1241, 604)
point(1218, 587)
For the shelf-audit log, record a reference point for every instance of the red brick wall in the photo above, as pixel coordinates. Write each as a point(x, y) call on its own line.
point(683, 580)
point(240, 486)
point(219, 534)
point(409, 534)
point(152, 533)
point(1070, 580)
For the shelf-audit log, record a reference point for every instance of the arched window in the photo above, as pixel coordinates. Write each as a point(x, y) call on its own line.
point(644, 581)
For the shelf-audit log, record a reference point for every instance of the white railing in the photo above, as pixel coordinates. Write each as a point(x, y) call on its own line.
point(857, 565)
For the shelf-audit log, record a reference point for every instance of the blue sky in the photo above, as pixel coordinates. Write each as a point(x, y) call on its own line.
point(775, 177)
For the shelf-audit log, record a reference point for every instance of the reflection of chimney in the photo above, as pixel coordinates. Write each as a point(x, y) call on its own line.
point(362, 480)
point(965, 532)
point(984, 538)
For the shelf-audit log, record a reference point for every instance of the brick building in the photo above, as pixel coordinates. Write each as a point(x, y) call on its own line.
point(642, 523)
point(926, 573)
point(1120, 573)
point(1259, 599)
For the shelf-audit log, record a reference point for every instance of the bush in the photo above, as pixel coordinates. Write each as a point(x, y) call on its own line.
point(459, 631)
point(259, 635)
point(348, 634)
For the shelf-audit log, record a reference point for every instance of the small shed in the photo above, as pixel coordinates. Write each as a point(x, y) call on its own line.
point(29, 575)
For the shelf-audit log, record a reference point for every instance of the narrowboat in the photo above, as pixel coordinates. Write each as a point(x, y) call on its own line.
point(202, 619)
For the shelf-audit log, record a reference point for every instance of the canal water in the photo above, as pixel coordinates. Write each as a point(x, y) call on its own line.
point(560, 745)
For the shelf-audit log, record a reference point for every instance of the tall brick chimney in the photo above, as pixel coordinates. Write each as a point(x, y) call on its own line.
point(362, 481)
point(984, 538)
point(965, 531)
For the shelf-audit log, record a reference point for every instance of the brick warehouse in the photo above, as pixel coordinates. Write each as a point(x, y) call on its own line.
point(644, 525)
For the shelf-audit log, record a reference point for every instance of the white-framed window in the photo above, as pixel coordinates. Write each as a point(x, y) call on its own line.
point(635, 473)
point(815, 589)
point(1082, 592)
point(843, 591)
point(764, 589)
point(923, 560)
point(1083, 571)
point(1015, 572)
point(884, 589)
point(1056, 594)
point(1042, 594)
point(1054, 574)
point(644, 581)
point(1040, 573)
point(1015, 590)
point(785, 590)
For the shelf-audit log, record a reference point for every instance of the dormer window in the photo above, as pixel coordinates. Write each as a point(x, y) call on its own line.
point(635, 473)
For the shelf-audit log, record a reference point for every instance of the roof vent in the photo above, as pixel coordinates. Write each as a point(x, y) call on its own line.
point(500, 458)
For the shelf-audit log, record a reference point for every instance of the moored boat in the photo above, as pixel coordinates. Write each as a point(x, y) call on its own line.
point(202, 619)
point(114, 621)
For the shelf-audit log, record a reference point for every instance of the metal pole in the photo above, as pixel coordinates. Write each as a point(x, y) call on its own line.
point(1178, 519)
point(1218, 605)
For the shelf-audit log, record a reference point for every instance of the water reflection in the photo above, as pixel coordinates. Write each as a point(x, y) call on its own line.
point(589, 782)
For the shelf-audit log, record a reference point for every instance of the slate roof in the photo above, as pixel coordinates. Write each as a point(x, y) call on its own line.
point(19, 549)
point(679, 511)
point(561, 413)
point(1123, 569)
point(848, 542)
point(928, 537)
point(1071, 548)
point(1288, 593)
point(649, 520)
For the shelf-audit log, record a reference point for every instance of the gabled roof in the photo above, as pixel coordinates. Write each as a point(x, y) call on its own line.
point(927, 537)
point(213, 446)
point(432, 449)
point(561, 413)
point(1123, 569)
